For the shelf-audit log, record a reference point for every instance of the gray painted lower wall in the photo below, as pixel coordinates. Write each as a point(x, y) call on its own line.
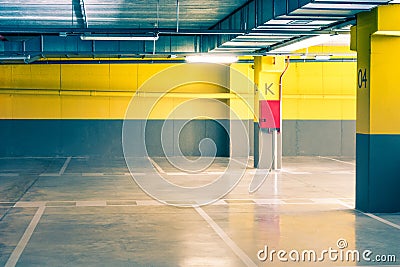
point(319, 137)
point(103, 137)
point(181, 136)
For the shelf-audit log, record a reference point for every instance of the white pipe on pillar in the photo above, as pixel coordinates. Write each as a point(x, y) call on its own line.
point(275, 149)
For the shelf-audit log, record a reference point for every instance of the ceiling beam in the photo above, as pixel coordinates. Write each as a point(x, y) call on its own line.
point(78, 31)
point(262, 18)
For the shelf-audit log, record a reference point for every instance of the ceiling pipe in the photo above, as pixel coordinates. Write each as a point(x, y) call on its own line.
point(119, 37)
point(71, 31)
point(41, 45)
point(280, 88)
point(64, 32)
point(82, 2)
point(23, 47)
point(177, 15)
point(158, 15)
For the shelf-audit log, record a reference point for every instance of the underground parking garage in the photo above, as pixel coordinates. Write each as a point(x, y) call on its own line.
point(199, 133)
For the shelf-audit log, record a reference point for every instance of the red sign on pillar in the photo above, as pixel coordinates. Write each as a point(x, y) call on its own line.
point(270, 114)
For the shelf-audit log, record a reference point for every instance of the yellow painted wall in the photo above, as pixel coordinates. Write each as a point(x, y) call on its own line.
point(311, 91)
point(242, 84)
point(319, 91)
point(93, 91)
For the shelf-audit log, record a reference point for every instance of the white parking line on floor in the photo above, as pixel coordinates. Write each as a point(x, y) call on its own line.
point(152, 202)
point(326, 201)
point(219, 202)
point(29, 204)
point(64, 167)
point(248, 165)
point(90, 174)
point(345, 204)
point(94, 203)
point(182, 173)
point(49, 174)
point(77, 157)
point(148, 203)
point(382, 220)
point(350, 163)
point(341, 172)
point(9, 174)
point(372, 216)
point(94, 174)
point(159, 169)
point(16, 254)
point(269, 201)
point(293, 172)
point(134, 174)
point(228, 241)
point(193, 174)
point(261, 171)
point(214, 172)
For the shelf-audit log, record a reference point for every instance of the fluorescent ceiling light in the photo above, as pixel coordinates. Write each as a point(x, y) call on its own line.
point(14, 59)
point(312, 41)
point(114, 37)
point(211, 59)
point(339, 6)
point(18, 59)
point(322, 57)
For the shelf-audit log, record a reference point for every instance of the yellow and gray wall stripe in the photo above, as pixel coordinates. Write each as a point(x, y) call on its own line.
point(70, 109)
point(78, 109)
point(318, 108)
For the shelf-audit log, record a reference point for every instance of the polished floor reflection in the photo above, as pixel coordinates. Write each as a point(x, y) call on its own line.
point(90, 212)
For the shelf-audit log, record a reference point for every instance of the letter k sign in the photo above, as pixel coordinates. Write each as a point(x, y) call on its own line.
point(268, 89)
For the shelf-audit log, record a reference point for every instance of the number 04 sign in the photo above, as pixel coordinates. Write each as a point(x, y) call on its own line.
point(362, 78)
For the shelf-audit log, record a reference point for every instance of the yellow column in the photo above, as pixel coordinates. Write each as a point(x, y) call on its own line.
point(267, 141)
point(377, 41)
point(241, 102)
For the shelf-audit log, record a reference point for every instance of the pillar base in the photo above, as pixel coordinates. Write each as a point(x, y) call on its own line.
point(268, 151)
point(378, 173)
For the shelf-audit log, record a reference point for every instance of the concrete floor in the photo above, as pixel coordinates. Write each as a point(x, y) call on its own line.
point(90, 212)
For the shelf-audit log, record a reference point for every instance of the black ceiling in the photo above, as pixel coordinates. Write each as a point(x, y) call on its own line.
point(43, 28)
point(111, 14)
